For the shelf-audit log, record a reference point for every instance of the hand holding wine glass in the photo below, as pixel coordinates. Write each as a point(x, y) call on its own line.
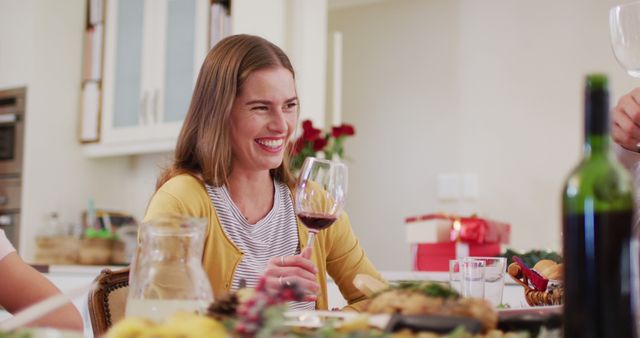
point(624, 23)
point(321, 193)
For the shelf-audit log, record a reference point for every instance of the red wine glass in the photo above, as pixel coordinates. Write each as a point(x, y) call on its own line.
point(321, 193)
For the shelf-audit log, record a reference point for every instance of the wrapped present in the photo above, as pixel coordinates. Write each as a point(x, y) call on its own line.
point(446, 228)
point(437, 238)
point(436, 256)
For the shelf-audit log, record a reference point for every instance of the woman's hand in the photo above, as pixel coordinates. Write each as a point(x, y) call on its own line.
point(285, 270)
point(625, 125)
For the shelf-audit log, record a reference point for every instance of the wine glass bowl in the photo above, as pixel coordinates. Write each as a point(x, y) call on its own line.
point(624, 24)
point(321, 193)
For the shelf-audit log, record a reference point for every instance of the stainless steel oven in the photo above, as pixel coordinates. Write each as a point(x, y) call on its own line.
point(12, 109)
point(12, 104)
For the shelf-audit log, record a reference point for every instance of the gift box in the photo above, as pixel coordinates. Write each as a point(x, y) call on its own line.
point(447, 228)
point(436, 256)
point(437, 238)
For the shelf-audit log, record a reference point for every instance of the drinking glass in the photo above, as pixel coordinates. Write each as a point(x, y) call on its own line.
point(321, 193)
point(472, 278)
point(454, 275)
point(494, 272)
point(624, 25)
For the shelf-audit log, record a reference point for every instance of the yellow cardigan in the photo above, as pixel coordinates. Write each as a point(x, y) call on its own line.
point(336, 250)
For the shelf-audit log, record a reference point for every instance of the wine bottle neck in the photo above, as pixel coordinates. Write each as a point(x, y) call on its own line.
point(596, 120)
point(595, 144)
point(596, 108)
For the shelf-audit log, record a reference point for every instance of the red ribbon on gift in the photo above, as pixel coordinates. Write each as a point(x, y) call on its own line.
point(465, 229)
point(469, 229)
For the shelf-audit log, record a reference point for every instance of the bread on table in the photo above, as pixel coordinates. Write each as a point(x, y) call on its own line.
point(549, 269)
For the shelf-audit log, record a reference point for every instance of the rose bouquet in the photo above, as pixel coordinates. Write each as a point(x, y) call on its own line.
point(314, 141)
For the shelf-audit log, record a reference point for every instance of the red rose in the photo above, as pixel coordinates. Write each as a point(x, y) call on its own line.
point(307, 125)
point(311, 134)
point(348, 129)
point(319, 144)
point(336, 131)
point(343, 130)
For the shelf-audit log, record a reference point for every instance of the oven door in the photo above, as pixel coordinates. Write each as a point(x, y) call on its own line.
point(11, 136)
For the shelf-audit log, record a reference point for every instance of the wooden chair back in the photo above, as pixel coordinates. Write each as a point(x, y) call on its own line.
point(108, 299)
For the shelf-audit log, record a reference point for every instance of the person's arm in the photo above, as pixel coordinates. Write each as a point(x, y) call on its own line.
point(346, 259)
point(21, 286)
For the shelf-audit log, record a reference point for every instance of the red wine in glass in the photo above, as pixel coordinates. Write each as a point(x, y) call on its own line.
point(320, 194)
point(316, 221)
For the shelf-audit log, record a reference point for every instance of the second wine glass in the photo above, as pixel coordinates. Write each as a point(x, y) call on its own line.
point(624, 24)
point(321, 193)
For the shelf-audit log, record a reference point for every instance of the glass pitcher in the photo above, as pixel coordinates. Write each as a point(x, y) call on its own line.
point(166, 272)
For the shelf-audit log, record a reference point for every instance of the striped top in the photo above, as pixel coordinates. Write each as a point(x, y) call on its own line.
point(273, 236)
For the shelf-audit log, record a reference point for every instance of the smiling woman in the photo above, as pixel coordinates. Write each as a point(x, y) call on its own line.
point(231, 166)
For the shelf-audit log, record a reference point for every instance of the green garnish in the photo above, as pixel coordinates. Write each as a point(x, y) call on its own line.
point(530, 258)
point(429, 289)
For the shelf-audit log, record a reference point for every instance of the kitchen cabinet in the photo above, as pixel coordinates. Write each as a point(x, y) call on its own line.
point(153, 51)
point(152, 54)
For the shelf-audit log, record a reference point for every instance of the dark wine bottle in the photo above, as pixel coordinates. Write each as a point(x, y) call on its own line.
point(597, 208)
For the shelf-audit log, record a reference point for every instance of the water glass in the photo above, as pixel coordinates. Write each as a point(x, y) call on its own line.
point(472, 278)
point(494, 272)
point(454, 275)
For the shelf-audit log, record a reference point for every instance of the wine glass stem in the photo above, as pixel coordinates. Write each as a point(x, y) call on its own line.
point(312, 237)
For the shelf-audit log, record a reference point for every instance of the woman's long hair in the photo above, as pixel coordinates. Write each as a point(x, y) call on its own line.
point(204, 148)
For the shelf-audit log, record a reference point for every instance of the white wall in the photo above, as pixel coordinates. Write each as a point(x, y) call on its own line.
point(16, 42)
point(522, 67)
point(399, 90)
point(141, 181)
point(489, 87)
point(41, 42)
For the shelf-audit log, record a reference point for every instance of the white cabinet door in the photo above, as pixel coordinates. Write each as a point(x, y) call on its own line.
point(184, 45)
point(123, 83)
point(154, 49)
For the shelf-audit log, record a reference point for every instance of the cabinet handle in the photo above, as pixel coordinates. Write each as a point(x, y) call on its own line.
point(143, 109)
point(156, 95)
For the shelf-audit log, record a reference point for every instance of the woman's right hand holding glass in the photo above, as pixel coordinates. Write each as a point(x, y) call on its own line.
point(299, 269)
point(625, 125)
